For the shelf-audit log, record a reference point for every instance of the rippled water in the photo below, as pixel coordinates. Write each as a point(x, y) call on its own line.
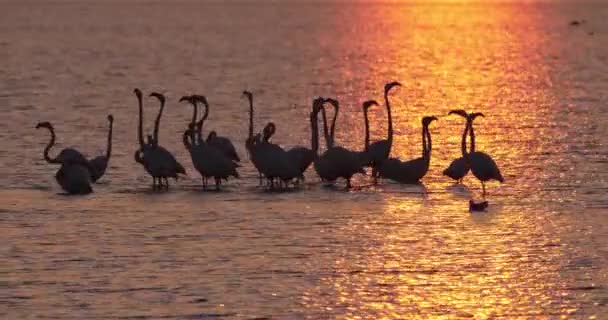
point(381, 252)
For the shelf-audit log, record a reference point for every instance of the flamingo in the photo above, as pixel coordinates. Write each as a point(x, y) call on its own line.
point(269, 159)
point(380, 150)
point(74, 175)
point(275, 162)
point(413, 170)
point(482, 165)
point(194, 144)
point(100, 163)
point(459, 167)
point(222, 143)
point(157, 161)
point(252, 141)
point(344, 163)
point(208, 160)
point(321, 163)
point(302, 156)
point(65, 155)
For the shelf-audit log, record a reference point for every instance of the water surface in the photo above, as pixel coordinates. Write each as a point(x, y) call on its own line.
point(382, 252)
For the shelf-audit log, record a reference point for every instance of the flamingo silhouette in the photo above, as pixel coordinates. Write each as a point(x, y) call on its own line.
point(100, 163)
point(213, 139)
point(252, 142)
point(157, 161)
point(74, 175)
point(482, 165)
point(343, 163)
point(380, 150)
point(208, 160)
point(411, 171)
point(459, 167)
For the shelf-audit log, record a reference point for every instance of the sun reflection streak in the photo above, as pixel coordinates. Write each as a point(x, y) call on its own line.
point(450, 264)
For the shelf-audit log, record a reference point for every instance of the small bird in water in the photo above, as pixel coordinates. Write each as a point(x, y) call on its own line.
point(481, 206)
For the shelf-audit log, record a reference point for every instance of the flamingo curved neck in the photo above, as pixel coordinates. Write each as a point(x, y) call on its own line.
point(389, 137)
point(424, 150)
point(472, 136)
point(332, 131)
point(193, 122)
point(325, 128)
point(157, 121)
point(140, 130)
point(49, 146)
point(314, 128)
point(429, 144)
point(199, 133)
point(250, 117)
point(109, 149)
point(365, 117)
point(463, 143)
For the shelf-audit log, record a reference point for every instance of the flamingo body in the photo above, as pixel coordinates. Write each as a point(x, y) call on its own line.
point(484, 168)
point(224, 145)
point(74, 178)
point(457, 169)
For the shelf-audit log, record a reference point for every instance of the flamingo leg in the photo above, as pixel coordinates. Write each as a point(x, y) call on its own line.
point(348, 185)
point(261, 180)
point(217, 184)
point(375, 175)
point(166, 183)
point(483, 186)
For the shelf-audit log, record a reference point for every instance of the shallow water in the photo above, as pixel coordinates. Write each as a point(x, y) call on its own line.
point(382, 252)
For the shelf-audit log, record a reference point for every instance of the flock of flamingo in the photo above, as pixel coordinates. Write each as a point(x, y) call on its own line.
point(216, 157)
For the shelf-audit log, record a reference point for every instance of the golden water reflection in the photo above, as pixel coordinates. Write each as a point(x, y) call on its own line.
point(421, 255)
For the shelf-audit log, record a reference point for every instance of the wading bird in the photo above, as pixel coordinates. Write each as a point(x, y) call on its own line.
point(459, 167)
point(380, 150)
point(252, 141)
point(413, 170)
point(74, 175)
point(157, 161)
point(209, 160)
point(221, 143)
point(482, 165)
point(343, 163)
point(100, 163)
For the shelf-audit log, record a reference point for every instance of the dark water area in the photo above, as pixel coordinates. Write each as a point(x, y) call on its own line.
point(375, 252)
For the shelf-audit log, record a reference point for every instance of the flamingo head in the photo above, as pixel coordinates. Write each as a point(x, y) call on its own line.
point(317, 104)
point(269, 130)
point(110, 118)
point(158, 96)
point(191, 126)
point(44, 124)
point(200, 98)
point(459, 112)
point(186, 98)
point(426, 121)
point(368, 104)
point(474, 115)
point(333, 102)
point(211, 135)
point(137, 92)
point(247, 94)
point(390, 85)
